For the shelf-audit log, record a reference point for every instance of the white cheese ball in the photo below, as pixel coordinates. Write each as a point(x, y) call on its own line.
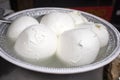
point(100, 31)
point(78, 18)
point(37, 42)
point(102, 34)
point(18, 25)
point(78, 47)
point(58, 22)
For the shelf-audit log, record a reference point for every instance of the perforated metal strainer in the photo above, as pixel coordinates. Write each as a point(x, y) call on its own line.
point(106, 55)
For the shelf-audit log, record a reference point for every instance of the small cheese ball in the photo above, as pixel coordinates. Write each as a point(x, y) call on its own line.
point(78, 18)
point(18, 25)
point(102, 34)
point(36, 43)
point(78, 47)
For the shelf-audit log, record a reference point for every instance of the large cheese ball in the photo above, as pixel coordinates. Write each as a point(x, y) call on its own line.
point(58, 22)
point(37, 42)
point(78, 47)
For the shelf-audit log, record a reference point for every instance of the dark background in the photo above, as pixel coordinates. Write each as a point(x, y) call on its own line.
point(106, 9)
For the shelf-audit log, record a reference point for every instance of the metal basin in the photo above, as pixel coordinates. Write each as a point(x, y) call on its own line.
point(106, 55)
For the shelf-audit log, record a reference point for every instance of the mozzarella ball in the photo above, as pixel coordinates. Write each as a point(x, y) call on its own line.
point(102, 34)
point(78, 47)
point(77, 18)
point(100, 31)
point(18, 25)
point(58, 22)
point(37, 42)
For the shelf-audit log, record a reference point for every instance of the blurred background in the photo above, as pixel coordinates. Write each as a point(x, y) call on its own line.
point(107, 9)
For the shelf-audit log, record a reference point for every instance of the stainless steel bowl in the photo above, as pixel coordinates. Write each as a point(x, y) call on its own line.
point(106, 55)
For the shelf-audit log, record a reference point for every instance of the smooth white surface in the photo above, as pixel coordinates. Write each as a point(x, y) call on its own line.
point(37, 42)
point(78, 47)
point(58, 22)
point(18, 25)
